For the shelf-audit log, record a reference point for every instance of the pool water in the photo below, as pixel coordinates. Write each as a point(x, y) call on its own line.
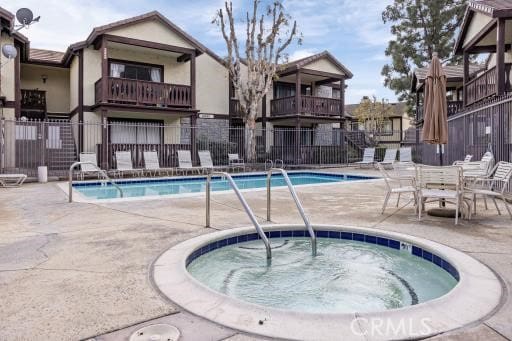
point(158, 187)
point(346, 276)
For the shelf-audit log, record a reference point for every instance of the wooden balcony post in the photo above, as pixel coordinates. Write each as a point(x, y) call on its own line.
point(342, 97)
point(105, 164)
point(193, 79)
point(500, 57)
point(104, 70)
point(298, 104)
point(466, 78)
point(80, 108)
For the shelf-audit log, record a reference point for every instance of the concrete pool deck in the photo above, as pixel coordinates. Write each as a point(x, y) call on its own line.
point(75, 271)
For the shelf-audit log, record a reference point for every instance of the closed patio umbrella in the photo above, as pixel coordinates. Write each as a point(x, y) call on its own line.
point(435, 124)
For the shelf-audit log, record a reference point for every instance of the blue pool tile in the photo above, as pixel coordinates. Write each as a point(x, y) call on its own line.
point(300, 233)
point(214, 246)
point(232, 240)
point(438, 261)
point(417, 251)
point(322, 234)
point(275, 234)
point(427, 255)
point(242, 239)
point(382, 241)
point(223, 242)
point(358, 237)
point(286, 234)
point(346, 235)
point(370, 239)
point(204, 250)
point(252, 236)
point(334, 234)
point(394, 244)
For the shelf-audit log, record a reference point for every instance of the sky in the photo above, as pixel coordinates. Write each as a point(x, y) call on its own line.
point(352, 30)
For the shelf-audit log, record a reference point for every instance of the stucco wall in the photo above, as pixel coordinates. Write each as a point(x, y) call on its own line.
point(151, 31)
point(73, 84)
point(477, 23)
point(56, 85)
point(212, 90)
point(325, 66)
point(92, 72)
point(7, 71)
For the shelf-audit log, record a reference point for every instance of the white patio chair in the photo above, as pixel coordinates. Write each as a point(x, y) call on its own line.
point(468, 158)
point(389, 157)
point(494, 186)
point(124, 164)
point(185, 162)
point(235, 162)
point(440, 184)
point(477, 169)
point(398, 186)
point(205, 158)
point(368, 158)
point(152, 164)
point(406, 154)
point(88, 168)
point(12, 180)
point(404, 170)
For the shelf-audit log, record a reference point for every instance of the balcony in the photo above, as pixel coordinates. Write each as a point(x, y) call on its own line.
point(33, 100)
point(453, 108)
point(143, 93)
point(235, 110)
point(485, 85)
point(309, 106)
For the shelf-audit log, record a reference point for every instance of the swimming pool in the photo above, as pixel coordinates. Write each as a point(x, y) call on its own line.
point(172, 186)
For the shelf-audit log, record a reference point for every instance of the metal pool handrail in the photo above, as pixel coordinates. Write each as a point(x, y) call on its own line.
point(248, 210)
point(269, 162)
point(101, 171)
point(297, 203)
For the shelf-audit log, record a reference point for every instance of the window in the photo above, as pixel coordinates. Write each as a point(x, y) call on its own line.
point(127, 132)
point(387, 126)
point(120, 69)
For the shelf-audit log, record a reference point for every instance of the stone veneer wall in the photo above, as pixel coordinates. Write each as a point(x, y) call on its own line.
point(215, 130)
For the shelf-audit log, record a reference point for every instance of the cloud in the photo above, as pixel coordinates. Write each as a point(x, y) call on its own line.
point(301, 53)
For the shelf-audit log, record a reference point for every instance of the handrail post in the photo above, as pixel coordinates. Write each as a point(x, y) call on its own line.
point(101, 171)
point(269, 195)
point(208, 180)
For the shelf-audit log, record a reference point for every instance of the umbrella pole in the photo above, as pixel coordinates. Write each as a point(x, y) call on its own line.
point(440, 146)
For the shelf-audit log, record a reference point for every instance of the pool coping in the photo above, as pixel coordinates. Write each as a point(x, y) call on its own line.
point(79, 197)
point(475, 297)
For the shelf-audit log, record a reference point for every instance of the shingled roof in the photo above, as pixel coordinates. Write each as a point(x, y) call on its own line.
point(45, 56)
point(398, 110)
point(494, 8)
point(454, 73)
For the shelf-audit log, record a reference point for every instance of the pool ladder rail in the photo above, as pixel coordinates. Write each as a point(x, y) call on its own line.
point(249, 211)
point(101, 171)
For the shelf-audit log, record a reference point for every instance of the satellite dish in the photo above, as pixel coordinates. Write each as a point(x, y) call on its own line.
point(24, 16)
point(9, 51)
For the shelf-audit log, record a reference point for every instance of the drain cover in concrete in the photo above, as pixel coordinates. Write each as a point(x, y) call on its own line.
point(156, 332)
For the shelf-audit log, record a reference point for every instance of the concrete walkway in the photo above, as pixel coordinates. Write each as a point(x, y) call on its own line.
point(75, 271)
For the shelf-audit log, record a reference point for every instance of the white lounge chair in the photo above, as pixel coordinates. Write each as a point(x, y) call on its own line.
point(205, 158)
point(235, 162)
point(12, 180)
point(406, 154)
point(494, 186)
point(389, 157)
point(477, 169)
point(185, 162)
point(152, 164)
point(468, 158)
point(440, 184)
point(124, 165)
point(396, 185)
point(89, 168)
point(368, 157)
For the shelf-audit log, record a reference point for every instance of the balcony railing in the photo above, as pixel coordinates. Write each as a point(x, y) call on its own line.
point(309, 105)
point(453, 108)
point(143, 93)
point(33, 100)
point(481, 87)
point(235, 110)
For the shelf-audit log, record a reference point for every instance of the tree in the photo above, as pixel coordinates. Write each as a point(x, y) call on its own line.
point(373, 114)
point(420, 28)
point(253, 73)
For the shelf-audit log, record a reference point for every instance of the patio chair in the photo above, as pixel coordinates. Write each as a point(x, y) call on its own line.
point(12, 180)
point(89, 168)
point(440, 184)
point(406, 154)
point(205, 158)
point(124, 165)
point(468, 158)
point(152, 164)
point(389, 157)
point(235, 162)
point(368, 157)
point(395, 185)
point(185, 162)
point(404, 170)
point(477, 169)
point(494, 186)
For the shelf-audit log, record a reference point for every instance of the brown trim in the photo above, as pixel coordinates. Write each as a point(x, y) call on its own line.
point(321, 73)
point(17, 84)
point(45, 63)
point(467, 18)
point(80, 107)
point(144, 43)
point(298, 64)
point(487, 48)
point(500, 57)
point(104, 69)
point(10, 104)
point(140, 109)
point(136, 63)
point(193, 80)
point(298, 94)
point(465, 77)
